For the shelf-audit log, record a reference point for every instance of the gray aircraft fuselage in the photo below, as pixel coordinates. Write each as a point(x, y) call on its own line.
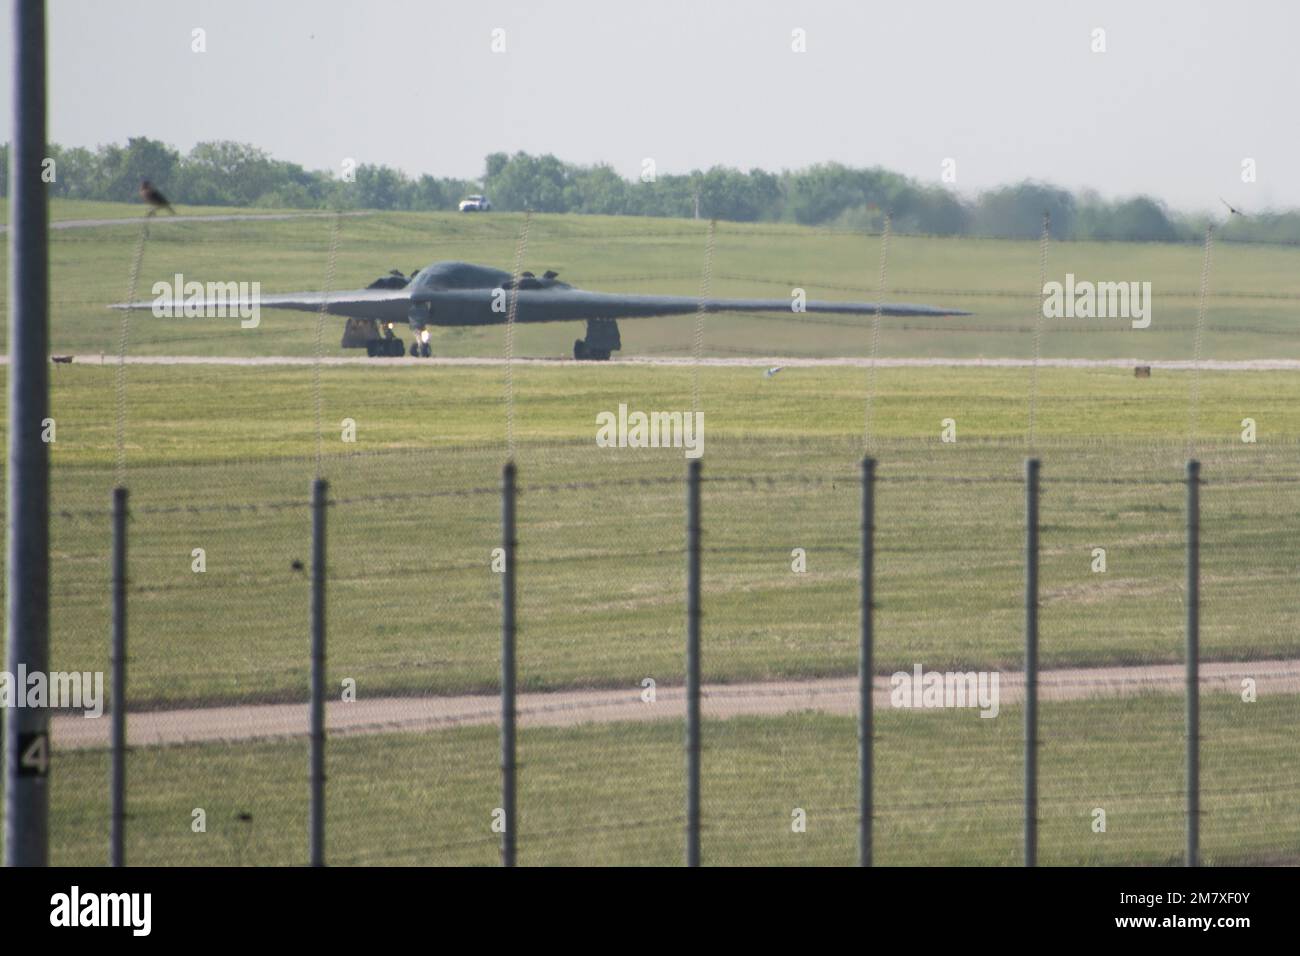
point(464, 294)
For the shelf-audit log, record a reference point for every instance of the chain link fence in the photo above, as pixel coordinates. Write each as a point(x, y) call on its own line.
point(220, 562)
point(218, 660)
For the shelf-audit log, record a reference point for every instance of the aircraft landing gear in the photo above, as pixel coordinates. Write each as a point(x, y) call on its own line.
point(583, 353)
point(390, 346)
point(380, 342)
point(602, 339)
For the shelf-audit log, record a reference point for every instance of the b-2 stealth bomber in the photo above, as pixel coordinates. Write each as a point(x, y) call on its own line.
point(463, 294)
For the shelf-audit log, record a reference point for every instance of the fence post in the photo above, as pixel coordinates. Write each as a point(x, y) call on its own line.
point(27, 596)
point(508, 802)
point(866, 667)
point(1193, 662)
point(693, 662)
point(117, 663)
point(1031, 661)
point(316, 732)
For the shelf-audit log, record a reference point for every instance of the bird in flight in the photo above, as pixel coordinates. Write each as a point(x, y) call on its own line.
point(1233, 210)
point(150, 194)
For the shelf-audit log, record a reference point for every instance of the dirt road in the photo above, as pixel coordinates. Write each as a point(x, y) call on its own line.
point(572, 707)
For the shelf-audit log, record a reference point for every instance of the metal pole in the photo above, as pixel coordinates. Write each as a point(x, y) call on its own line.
point(27, 618)
point(117, 784)
point(866, 668)
point(316, 731)
point(693, 663)
point(1031, 661)
point(508, 764)
point(1193, 662)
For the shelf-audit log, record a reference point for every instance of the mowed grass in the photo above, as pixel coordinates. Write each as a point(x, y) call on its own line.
point(947, 791)
point(220, 459)
point(1252, 311)
point(65, 209)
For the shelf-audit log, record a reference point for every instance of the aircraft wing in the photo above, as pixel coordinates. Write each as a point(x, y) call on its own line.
point(553, 305)
point(535, 305)
point(387, 305)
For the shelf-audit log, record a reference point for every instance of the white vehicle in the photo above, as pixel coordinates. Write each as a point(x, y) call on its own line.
point(475, 204)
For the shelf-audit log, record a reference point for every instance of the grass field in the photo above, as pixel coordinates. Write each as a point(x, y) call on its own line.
point(66, 209)
point(1255, 289)
point(947, 792)
point(220, 459)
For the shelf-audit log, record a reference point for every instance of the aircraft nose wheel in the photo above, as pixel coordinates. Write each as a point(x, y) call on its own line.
point(425, 350)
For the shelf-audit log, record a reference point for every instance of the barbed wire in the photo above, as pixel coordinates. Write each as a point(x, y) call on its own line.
point(730, 229)
point(848, 480)
point(1228, 449)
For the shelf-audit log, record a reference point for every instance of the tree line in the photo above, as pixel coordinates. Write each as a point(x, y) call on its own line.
point(225, 173)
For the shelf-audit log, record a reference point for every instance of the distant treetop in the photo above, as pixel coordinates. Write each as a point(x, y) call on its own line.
point(224, 173)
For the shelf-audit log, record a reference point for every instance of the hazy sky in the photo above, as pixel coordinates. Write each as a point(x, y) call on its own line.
point(1183, 93)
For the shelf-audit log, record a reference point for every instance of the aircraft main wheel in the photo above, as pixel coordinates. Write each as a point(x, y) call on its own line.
point(579, 349)
point(415, 350)
point(372, 348)
point(396, 348)
point(426, 350)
